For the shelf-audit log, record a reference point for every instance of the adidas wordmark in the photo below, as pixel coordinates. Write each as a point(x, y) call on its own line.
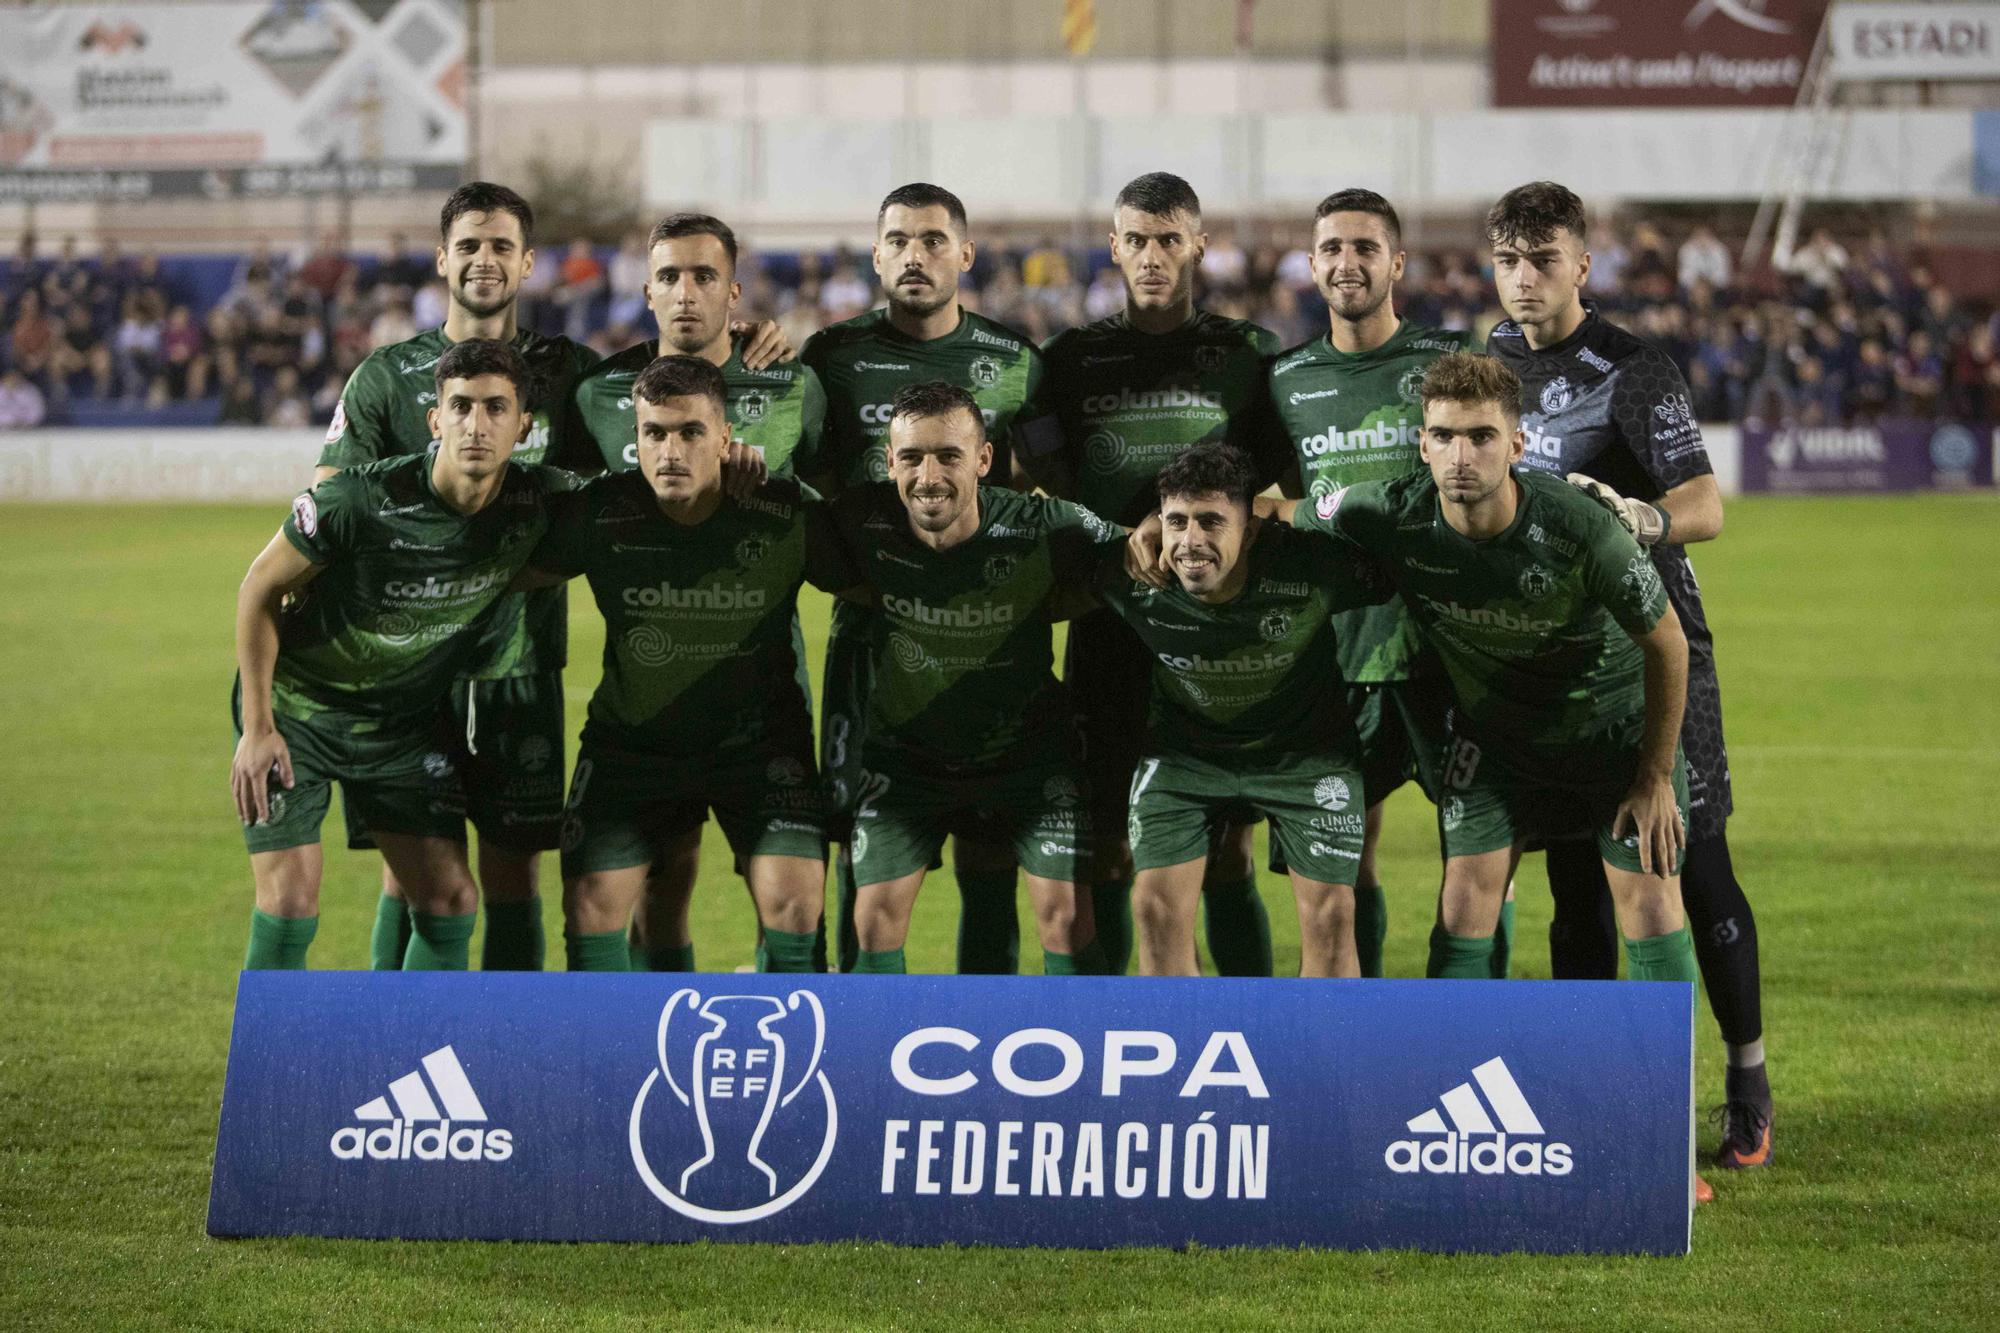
point(1473, 1144)
point(421, 1127)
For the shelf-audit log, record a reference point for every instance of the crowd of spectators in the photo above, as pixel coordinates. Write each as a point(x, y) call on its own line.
point(1838, 336)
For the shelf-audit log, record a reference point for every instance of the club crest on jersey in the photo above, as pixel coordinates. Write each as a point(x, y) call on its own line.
point(752, 550)
point(1060, 791)
point(625, 404)
point(1000, 568)
point(753, 405)
point(984, 372)
point(1536, 583)
point(1331, 793)
point(1209, 357)
point(1410, 387)
point(1275, 625)
point(1329, 504)
point(1556, 394)
point(338, 426)
point(1454, 813)
point(305, 515)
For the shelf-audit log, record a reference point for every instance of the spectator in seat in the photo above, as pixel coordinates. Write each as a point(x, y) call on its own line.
point(22, 406)
point(1919, 377)
point(184, 355)
point(1703, 258)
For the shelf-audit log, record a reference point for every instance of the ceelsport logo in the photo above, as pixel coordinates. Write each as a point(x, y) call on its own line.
point(737, 1121)
point(1498, 1136)
point(441, 1120)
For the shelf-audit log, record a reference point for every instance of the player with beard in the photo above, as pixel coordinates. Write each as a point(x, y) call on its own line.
point(1348, 401)
point(776, 409)
point(1131, 392)
point(1612, 412)
point(509, 705)
point(921, 250)
point(968, 730)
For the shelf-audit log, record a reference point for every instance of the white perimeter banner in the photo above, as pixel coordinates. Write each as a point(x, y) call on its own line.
point(181, 466)
point(1915, 41)
point(228, 88)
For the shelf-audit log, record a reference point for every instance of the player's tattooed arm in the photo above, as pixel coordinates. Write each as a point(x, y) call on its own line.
point(279, 570)
point(1649, 809)
point(762, 344)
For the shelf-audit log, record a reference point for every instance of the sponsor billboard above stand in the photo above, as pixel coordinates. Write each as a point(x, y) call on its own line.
point(228, 100)
point(1889, 455)
point(1089, 1112)
point(1730, 53)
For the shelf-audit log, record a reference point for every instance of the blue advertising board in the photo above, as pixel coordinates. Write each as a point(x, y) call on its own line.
point(1080, 1112)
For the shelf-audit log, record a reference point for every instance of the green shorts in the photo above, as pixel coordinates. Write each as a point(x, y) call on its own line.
point(625, 807)
point(1315, 802)
point(908, 806)
point(395, 777)
point(1489, 804)
point(1404, 727)
point(844, 709)
point(1109, 676)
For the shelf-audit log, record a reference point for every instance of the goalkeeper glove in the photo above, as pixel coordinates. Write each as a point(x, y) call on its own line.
point(1649, 523)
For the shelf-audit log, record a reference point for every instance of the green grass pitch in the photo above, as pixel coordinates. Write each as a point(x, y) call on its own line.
point(1860, 651)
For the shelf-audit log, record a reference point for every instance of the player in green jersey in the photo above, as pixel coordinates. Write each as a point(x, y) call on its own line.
point(1131, 392)
point(700, 704)
point(1243, 720)
point(509, 707)
point(1348, 404)
point(921, 250)
point(1568, 667)
point(394, 569)
point(776, 409)
point(968, 729)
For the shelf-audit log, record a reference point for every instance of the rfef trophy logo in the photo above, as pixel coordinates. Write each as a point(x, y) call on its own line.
point(740, 1137)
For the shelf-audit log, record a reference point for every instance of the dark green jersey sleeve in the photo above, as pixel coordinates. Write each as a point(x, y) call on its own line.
point(1256, 429)
point(564, 548)
point(363, 427)
point(812, 420)
point(321, 524)
point(1351, 576)
point(1077, 540)
point(1361, 515)
point(1618, 572)
point(831, 565)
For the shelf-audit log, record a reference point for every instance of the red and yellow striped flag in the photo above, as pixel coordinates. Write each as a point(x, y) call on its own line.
point(1079, 26)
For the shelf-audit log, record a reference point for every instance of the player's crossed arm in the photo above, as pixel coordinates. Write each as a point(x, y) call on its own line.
point(279, 570)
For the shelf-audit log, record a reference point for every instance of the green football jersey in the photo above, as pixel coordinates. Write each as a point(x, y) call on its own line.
point(1129, 401)
point(384, 411)
point(862, 362)
point(778, 409)
point(1256, 673)
point(960, 640)
point(407, 586)
point(698, 649)
point(1534, 625)
point(1353, 417)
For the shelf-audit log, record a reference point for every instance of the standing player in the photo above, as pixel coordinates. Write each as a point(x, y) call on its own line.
point(1348, 402)
point(967, 727)
point(921, 249)
point(394, 569)
point(1603, 404)
point(701, 703)
point(1130, 393)
point(778, 408)
point(1243, 645)
point(509, 706)
point(1567, 665)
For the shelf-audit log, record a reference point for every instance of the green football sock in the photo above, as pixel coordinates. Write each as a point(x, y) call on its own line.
point(390, 939)
point(1662, 958)
point(782, 951)
point(989, 931)
point(513, 937)
point(1371, 927)
point(887, 961)
point(1460, 958)
point(278, 941)
point(1058, 965)
point(602, 951)
point(1111, 904)
point(670, 958)
point(439, 943)
point(1503, 941)
point(1239, 933)
point(636, 957)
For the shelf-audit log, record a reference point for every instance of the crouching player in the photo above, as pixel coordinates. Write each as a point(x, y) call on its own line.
point(1567, 664)
point(968, 731)
point(392, 568)
point(1248, 717)
point(700, 705)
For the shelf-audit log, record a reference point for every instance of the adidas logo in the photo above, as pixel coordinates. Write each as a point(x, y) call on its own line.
point(394, 1135)
point(1464, 1148)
